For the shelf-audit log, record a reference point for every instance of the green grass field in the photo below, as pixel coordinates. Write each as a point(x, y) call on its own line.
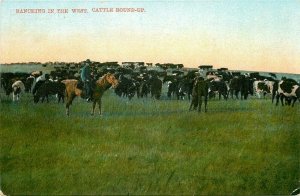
point(145, 146)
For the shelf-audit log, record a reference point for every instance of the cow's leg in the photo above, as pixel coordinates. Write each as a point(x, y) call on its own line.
point(236, 94)
point(259, 95)
point(157, 95)
point(273, 97)
point(191, 105)
point(13, 96)
point(60, 97)
point(70, 99)
point(246, 96)
point(277, 99)
point(68, 106)
point(281, 99)
point(67, 110)
point(225, 95)
point(294, 100)
point(242, 95)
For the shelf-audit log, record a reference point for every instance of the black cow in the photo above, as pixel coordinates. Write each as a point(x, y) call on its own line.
point(241, 84)
point(46, 88)
point(143, 89)
point(29, 83)
point(126, 87)
point(155, 87)
point(173, 89)
point(8, 78)
point(185, 87)
point(220, 87)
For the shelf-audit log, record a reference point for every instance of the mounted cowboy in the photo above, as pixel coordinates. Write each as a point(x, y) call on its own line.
point(200, 89)
point(86, 77)
point(101, 85)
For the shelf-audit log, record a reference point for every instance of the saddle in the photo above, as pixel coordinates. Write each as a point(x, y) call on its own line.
point(81, 86)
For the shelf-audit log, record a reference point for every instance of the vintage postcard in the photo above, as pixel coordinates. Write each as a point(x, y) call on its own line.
point(141, 97)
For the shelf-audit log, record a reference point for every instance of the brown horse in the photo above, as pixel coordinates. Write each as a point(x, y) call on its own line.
point(101, 86)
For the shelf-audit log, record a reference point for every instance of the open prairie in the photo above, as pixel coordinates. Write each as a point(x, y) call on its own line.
point(146, 146)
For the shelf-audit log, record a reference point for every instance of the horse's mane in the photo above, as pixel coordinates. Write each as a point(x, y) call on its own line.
point(102, 82)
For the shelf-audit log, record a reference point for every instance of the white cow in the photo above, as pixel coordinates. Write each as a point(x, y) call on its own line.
point(18, 87)
point(288, 89)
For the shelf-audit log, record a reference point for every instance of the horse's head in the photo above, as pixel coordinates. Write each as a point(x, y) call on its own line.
point(111, 79)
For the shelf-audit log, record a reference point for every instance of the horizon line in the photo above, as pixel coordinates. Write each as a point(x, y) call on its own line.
point(196, 67)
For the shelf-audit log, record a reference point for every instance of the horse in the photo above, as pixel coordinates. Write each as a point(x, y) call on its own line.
point(100, 86)
point(200, 89)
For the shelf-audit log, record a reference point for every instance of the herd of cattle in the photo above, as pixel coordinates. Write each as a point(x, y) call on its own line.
point(149, 83)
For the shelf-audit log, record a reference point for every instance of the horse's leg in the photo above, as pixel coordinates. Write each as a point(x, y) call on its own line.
point(13, 96)
point(199, 103)
point(192, 104)
point(93, 107)
point(99, 104)
point(205, 103)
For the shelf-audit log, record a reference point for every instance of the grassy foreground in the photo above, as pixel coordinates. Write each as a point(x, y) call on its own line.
point(149, 147)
